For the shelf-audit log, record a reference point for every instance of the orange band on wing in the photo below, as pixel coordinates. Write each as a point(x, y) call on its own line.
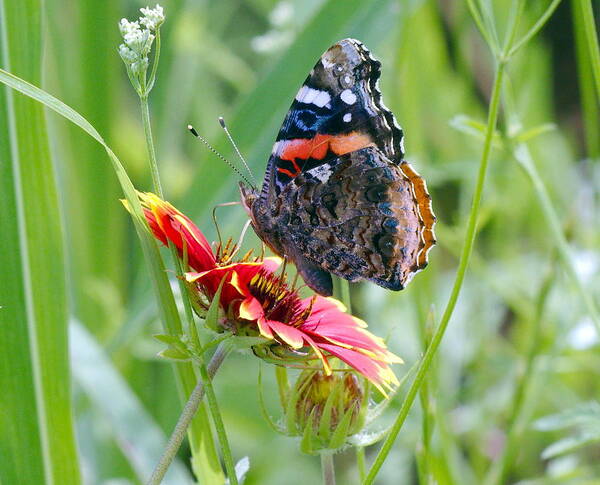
point(317, 147)
point(287, 172)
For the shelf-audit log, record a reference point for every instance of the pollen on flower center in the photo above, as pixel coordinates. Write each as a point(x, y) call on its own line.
point(278, 301)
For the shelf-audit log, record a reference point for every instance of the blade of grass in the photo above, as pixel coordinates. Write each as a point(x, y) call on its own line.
point(524, 158)
point(589, 104)
point(589, 27)
point(202, 445)
point(38, 444)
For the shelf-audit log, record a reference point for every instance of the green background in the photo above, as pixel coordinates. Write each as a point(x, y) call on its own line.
point(245, 60)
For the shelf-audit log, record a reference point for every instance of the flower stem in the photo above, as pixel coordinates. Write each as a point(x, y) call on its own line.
point(185, 419)
point(328, 468)
point(360, 462)
point(341, 291)
point(460, 276)
point(150, 146)
point(217, 418)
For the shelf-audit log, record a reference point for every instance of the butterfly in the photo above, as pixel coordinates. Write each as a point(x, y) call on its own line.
point(338, 197)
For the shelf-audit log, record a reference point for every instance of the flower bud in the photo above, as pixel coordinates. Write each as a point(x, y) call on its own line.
point(327, 409)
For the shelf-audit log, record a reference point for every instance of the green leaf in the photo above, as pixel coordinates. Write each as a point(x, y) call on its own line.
point(571, 443)
point(37, 444)
point(173, 353)
point(306, 443)
point(168, 339)
point(534, 132)
point(585, 414)
point(338, 438)
point(141, 440)
point(212, 315)
point(368, 438)
point(466, 124)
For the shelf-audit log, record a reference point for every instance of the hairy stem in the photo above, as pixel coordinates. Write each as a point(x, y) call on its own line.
point(185, 419)
point(150, 146)
point(328, 468)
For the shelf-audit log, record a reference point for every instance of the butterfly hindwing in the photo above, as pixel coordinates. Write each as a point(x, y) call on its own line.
point(358, 217)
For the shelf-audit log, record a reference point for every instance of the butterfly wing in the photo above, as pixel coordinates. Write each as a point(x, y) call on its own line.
point(337, 110)
point(359, 216)
point(338, 196)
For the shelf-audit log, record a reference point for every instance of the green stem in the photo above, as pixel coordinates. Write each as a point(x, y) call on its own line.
point(523, 157)
point(592, 41)
point(460, 276)
point(213, 405)
point(185, 419)
point(150, 146)
point(341, 291)
point(361, 462)
point(328, 468)
point(535, 29)
point(154, 63)
point(589, 106)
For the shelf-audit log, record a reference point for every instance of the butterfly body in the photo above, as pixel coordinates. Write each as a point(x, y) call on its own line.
point(338, 197)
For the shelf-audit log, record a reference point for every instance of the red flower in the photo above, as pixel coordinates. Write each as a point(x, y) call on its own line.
point(258, 301)
point(323, 325)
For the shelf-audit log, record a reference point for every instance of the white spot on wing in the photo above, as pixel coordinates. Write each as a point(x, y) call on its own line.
point(347, 117)
point(322, 172)
point(275, 150)
point(309, 95)
point(322, 99)
point(301, 93)
point(348, 96)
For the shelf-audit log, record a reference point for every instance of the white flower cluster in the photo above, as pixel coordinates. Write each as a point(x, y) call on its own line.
point(138, 38)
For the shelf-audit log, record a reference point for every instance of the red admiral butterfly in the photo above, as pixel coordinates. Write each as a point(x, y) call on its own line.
point(338, 197)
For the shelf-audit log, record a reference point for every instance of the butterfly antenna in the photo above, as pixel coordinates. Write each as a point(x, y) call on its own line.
point(224, 126)
point(210, 147)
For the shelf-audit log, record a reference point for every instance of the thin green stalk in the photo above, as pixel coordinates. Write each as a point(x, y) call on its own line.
point(213, 405)
point(591, 35)
point(150, 146)
point(460, 276)
point(516, 421)
point(535, 29)
point(154, 63)
point(523, 156)
point(589, 106)
point(341, 291)
point(361, 462)
point(425, 456)
point(328, 468)
point(185, 419)
point(480, 25)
